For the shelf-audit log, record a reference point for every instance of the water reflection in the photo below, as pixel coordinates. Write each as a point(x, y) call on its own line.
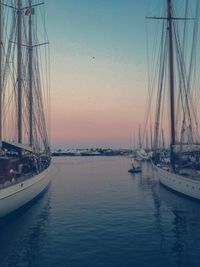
point(185, 218)
point(21, 235)
point(176, 218)
point(149, 183)
point(99, 215)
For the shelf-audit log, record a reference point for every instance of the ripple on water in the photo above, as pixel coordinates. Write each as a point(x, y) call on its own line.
point(96, 214)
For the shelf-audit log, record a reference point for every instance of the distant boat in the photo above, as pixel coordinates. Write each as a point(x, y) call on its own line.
point(142, 155)
point(135, 169)
point(179, 172)
point(24, 147)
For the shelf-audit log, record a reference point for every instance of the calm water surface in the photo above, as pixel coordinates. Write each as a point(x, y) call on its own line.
point(96, 214)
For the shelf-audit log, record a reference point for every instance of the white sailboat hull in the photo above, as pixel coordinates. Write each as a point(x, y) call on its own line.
point(19, 194)
point(142, 155)
point(187, 186)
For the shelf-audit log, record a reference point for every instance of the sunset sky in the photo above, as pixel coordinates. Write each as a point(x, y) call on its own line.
point(98, 71)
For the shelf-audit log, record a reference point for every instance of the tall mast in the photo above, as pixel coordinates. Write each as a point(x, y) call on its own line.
point(171, 79)
point(1, 42)
point(30, 77)
point(163, 139)
point(19, 69)
point(147, 141)
point(140, 142)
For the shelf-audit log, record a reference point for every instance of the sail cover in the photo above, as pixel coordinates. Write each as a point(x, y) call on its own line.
point(17, 146)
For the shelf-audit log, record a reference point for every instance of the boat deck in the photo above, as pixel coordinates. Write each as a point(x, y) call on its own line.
point(16, 180)
point(185, 172)
point(190, 173)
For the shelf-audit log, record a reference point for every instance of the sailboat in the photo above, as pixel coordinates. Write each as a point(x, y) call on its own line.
point(25, 162)
point(141, 154)
point(181, 172)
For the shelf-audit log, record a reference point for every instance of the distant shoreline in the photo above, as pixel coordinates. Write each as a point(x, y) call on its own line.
point(90, 153)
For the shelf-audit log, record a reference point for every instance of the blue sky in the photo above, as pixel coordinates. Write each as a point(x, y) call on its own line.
point(98, 70)
point(114, 27)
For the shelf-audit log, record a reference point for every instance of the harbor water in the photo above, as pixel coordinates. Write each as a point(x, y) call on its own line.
point(96, 214)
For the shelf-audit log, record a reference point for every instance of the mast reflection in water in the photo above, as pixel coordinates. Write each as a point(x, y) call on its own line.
point(97, 214)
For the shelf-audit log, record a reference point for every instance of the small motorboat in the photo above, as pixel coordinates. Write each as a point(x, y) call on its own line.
point(135, 170)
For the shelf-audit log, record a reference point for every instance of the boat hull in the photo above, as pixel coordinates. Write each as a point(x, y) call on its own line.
point(135, 170)
point(186, 186)
point(15, 196)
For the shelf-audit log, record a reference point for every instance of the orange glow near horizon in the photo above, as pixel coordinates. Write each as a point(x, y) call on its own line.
point(92, 115)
